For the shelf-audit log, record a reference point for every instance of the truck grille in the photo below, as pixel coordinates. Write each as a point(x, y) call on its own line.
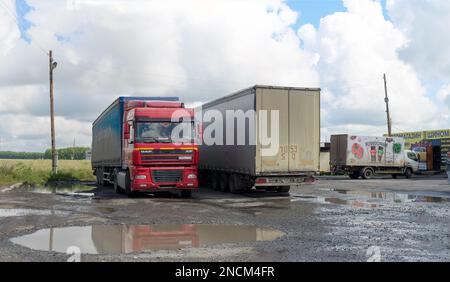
point(159, 158)
point(160, 176)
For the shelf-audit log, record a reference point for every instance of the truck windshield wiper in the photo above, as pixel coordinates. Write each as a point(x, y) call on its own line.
point(149, 140)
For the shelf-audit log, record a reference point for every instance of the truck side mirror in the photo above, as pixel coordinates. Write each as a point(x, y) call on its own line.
point(130, 133)
point(126, 131)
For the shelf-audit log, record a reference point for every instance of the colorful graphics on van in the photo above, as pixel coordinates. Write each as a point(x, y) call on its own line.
point(364, 150)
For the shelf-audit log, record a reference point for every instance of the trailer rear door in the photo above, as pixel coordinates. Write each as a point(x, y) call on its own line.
point(299, 130)
point(273, 100)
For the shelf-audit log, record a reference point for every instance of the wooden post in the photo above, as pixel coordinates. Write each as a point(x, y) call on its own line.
point(52, 66)
point(386, 99)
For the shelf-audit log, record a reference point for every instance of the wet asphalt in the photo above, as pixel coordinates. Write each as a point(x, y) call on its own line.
point(335, 219)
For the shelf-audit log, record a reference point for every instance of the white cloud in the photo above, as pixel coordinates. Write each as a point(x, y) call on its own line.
point(426, 23)
point(355, 48)
point(444, 94)
point(201, 50)
point(198, 50)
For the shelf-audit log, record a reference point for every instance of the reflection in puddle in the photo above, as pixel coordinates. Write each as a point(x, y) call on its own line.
point(396, 197)
point(76, 190)
point(118, 239)
point(362, 199)
point(26, 212)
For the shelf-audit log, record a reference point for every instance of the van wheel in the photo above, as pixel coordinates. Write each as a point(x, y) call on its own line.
point(408, 173)
point(367, 173)
point(223, 183)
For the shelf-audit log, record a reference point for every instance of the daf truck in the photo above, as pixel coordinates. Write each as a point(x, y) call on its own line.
point(133, 146)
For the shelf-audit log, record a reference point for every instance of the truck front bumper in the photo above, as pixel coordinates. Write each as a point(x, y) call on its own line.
point(164, 178)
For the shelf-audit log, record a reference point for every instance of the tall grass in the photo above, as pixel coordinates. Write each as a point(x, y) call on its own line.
point(38, 172)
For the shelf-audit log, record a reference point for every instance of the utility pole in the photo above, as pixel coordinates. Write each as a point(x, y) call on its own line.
point(52, 66)
point(386, 99)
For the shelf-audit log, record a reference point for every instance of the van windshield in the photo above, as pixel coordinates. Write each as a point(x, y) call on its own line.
point(412, 156)
point(164, 132)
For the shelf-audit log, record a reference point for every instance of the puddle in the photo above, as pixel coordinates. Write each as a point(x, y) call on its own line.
point(396, 197)
point(120, 239)
point(363, 199)
point(75, 191)
point(25, 212)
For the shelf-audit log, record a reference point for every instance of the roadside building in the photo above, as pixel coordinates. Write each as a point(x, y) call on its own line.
point(432, 147)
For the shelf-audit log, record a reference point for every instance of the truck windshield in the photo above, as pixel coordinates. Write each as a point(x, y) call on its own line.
point(164, 132)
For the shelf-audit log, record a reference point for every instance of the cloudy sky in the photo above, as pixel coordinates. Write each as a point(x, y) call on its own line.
point(203, 49)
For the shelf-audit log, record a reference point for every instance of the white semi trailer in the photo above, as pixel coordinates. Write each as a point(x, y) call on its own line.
point(239, 167)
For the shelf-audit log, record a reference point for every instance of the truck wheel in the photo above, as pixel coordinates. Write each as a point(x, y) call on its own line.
point(368, 173)
point(117, 188)
point(235, 185)
point(99, 176)
point(186, 193)
point(354, 175)
point(223, 183)
point(128, 191)
point(408, 173)
point(394, 176)
point(215, 181)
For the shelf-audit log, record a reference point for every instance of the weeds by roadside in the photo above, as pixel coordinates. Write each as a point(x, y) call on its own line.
point(38, 172)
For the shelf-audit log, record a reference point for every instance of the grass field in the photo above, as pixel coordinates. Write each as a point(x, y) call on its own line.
point(38, 172)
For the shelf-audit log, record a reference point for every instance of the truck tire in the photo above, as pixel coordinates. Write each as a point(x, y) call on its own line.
point(128, 192)
point(117, 188)
point(223, 183)
point(215, 181)
point(408, 173)
point(367, 173)
point(185, 193)
point(100, 179)
point(236, 186)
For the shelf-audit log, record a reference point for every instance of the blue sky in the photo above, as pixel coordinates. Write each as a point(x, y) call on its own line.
point(22, 9)
point(311, 11)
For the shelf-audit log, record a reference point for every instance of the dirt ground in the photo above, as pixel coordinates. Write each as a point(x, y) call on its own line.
point(336, 219)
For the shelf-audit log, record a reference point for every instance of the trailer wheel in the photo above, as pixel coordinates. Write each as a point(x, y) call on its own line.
point(408, 173)
point(215, 181)
point(100, 180)
point(223, 183)
point(235, 185)
point(367, 173)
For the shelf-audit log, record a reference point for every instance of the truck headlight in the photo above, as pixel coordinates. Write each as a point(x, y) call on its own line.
point(141, 176)
point(185, 158)
point(192, 176)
